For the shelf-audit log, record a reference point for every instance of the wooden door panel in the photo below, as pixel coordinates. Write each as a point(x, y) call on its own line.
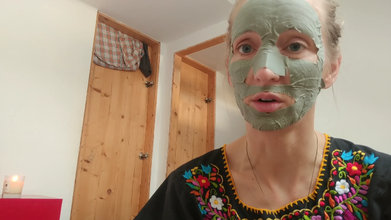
point(192, 115)
point(109, 170)
point(118, 124)
point(201, 112)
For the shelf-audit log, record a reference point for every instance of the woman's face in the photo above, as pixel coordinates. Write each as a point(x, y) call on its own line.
point(276, 61)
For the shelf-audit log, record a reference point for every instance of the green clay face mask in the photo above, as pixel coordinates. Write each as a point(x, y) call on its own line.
point(269, 19)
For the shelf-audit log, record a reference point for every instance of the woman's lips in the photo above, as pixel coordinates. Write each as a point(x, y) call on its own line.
point(266, 96)
point(267, 107)
point(266, 102)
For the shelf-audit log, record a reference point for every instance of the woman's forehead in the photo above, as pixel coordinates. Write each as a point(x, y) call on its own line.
point(240, 3)
point(270, 17)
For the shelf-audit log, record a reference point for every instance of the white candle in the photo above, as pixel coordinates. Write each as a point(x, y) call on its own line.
point(13, 184)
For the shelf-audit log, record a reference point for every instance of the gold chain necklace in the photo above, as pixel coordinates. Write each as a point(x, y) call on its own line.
point(259, 185)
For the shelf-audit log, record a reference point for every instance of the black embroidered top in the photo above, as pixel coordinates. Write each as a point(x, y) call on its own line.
point(354, 182)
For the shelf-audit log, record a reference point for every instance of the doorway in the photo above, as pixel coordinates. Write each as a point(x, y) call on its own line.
point(113, 170)
point(193, 106)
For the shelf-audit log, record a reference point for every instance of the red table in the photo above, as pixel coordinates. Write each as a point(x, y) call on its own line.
point(30, 208)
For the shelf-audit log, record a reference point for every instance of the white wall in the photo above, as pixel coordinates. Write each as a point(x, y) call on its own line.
point(361, 108)
point(159, 157)
point(230, 124)
point(45, 55)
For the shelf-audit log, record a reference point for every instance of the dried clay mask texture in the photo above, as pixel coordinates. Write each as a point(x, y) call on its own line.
point(269, 19)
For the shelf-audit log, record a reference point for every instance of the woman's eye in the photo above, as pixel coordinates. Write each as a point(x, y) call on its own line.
point(295, 47)
point(245, 49)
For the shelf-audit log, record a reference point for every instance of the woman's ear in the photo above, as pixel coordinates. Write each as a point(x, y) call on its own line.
point(229, 76)
point(332, 75)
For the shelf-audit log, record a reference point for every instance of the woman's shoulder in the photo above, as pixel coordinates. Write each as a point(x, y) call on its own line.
point(346, 145)
point(362, 172)
point(365, 155)
point(179, 188)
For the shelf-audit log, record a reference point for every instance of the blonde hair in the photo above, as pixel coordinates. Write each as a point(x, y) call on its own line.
point(331, 29)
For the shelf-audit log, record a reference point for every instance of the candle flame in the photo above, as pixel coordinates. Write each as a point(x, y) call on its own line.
point(15, 178)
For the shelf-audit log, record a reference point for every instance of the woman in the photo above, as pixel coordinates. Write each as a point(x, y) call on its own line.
point(281, 54)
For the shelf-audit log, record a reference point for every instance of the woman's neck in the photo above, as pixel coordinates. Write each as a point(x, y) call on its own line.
point(282, 163)
point(286, 155)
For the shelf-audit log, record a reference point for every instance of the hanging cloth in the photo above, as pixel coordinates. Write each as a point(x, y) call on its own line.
point(132, 51)
point(145, 64)
point(116, 50)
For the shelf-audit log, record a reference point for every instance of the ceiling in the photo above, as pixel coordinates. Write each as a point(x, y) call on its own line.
point(165, 20)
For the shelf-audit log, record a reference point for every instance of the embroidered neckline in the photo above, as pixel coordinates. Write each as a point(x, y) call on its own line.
point(312, 196)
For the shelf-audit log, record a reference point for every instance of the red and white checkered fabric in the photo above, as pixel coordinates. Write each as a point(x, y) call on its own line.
point(116, 50)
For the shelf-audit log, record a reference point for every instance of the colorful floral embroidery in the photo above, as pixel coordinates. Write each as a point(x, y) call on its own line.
point(348, 185)
point(344, 198)
point(207, 187)
point(342, 187)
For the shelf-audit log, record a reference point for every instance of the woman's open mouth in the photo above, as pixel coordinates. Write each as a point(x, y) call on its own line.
point(267, 105)
point(267, 102)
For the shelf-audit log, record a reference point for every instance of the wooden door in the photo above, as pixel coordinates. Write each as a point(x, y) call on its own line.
point(109, 170)
point(112, 182)
point(192, 118)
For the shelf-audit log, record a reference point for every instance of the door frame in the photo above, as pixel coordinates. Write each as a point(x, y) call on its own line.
point(179, 58)
point(152, 98)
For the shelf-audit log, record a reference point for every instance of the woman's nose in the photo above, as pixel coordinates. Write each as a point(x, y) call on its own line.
point(265, 76)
